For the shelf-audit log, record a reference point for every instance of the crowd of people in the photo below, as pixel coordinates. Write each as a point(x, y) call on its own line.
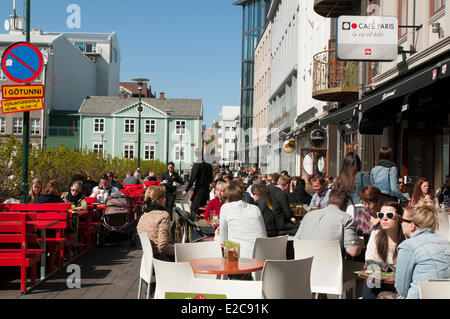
point(368, 213)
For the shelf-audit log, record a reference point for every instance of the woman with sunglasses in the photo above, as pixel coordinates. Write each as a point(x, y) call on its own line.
point(75, 196)
point(381, 250)
point(423, 255)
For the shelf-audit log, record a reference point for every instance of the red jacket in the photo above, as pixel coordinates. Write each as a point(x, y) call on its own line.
point(215, 205)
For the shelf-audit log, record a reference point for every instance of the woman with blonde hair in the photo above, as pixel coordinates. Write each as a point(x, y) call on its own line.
point(50, 194)
point(424, 255)
point(155, 222)
point(35, 190)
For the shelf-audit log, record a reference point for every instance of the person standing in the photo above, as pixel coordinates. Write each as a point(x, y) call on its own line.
point(170, 180)
point(321, 193)
point(424, 254)
point(201, 178)
point(443, 195)
point(284, 216)
point(385, 176)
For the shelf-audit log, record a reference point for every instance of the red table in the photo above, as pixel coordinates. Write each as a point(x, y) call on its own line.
point(221, 266)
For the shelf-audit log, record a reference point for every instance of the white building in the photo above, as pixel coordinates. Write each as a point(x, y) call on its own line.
point(297, 34)
point(227, 134)
point(76, 65)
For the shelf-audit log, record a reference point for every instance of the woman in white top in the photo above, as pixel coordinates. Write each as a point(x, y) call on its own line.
point(381, 250)
point(239, 221)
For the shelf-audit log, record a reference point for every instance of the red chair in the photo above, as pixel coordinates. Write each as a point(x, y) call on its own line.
point(16, 232)
point(60, 243)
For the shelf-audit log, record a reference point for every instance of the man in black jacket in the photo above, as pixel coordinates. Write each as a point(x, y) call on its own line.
point(170, 179)
point(201, 176)
point(286, 223)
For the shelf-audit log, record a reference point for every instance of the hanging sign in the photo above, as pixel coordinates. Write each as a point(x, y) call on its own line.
point(22, 105)
point(367, 38)
point(10, 92)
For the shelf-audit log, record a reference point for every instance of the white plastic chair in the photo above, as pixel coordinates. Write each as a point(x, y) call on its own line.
point(271, 248)
point(171, 277)
point(188, 251)
point(444, 225)
point(233, 289)
point(146, 272)
point(435, 289)
point(327, 267)
point(287, 279)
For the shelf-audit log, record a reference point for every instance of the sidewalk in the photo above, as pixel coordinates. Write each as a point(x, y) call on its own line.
point(110, 272)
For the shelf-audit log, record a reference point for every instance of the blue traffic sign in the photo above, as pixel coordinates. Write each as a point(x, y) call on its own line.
point(22, 62)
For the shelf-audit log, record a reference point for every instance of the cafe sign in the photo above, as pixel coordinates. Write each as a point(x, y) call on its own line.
point(317, 138)
point(367, 38)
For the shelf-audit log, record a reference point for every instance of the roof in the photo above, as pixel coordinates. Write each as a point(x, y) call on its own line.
point(107, 105)
point(133, 88)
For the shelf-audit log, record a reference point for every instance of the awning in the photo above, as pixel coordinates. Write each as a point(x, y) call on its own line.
point(413, 81)
point(346, 113)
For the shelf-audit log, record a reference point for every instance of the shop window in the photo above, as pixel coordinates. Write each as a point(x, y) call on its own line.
point(436, 6)
point(351, 143)
point(402, 17)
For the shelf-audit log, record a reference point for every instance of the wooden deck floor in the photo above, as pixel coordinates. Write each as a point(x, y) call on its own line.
point(109, 272)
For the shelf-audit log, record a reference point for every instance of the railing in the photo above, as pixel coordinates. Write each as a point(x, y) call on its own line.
point(62, 131)
point(333, 79)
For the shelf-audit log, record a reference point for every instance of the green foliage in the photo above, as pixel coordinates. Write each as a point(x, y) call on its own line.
point(60, 163)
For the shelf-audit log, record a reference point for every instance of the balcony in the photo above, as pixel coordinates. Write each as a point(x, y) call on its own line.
point(62, 131)
point(336, 8)
point(333, 79)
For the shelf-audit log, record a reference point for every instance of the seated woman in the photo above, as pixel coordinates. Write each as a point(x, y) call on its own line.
point(366, 219)
point(240, 222)
point(75, 196)
point(423, 190)
point(423, 255)
point(297, 193)
point(35, 191)
point(382, 247)
point(264, 201)
point(216, 203)
point(50, 194)
point(155, 222)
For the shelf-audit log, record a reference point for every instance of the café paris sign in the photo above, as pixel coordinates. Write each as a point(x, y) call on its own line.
point(367, 38)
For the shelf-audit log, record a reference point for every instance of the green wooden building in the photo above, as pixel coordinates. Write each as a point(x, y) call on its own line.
point(170, 128)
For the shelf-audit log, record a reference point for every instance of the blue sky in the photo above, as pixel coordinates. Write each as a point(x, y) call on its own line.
point(187, 48)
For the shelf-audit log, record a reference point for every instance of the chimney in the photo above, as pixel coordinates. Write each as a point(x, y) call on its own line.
point(122, 94)
point(161, 96)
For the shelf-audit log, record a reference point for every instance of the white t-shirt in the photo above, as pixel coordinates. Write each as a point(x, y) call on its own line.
point(242, 223)
point(371, 251)
point(101, 198)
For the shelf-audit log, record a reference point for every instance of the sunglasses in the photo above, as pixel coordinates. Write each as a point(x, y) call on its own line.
point(388, 215)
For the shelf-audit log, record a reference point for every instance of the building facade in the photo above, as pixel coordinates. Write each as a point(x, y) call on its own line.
point(254, 21)
point(402, 103)
point(227, 134)
point(170, 128)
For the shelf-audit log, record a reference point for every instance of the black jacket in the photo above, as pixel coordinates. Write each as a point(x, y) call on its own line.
point(282, 210)
point(269, 218)
point(170, 180)
point(201, 175)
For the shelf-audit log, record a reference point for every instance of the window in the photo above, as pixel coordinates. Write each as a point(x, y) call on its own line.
point(227, 129)
point(129, 126)
point(150, 126)
point(98, 147)
point(128, 151)
point(227, 140)
point(99, 125)
point(180, 127)
point(149, 152)
point(231, 155)
point(436, 6)
point(86, 47)
point(179, 153)
point(115, 55)
point(35, 126)
point(233, 129)
point(402, 17)
point(17, 125)
point(2, 125)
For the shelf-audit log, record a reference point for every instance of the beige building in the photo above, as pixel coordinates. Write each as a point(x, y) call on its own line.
point(261, 95)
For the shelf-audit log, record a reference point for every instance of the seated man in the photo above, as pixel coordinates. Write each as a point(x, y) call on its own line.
point(104, 190)
point(321, 193)
point(333, 223)
point(132, 179)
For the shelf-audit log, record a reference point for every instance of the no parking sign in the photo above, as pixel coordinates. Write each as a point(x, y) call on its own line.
point(22, 62)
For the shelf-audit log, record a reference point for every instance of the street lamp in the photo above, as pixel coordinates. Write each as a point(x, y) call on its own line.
point(140, 83)
point(181, 142)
